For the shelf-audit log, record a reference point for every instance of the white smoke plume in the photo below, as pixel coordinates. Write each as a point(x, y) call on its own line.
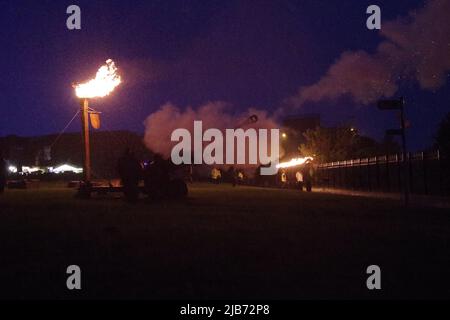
point(160, 124)
point(416, 48)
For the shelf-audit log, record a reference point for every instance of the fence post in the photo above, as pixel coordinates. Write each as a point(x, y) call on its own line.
point(334, 174)
point(377, 173)
point(359, 174)
point(424, 169)
point(399, 174)
point(347, 182)
point(352, 180)
point(329, 175)
point(411, 184)
point(388, 180)
point(441, 189)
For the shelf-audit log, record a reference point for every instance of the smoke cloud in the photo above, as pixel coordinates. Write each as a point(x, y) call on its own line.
point(416, 48)
point(160, 124)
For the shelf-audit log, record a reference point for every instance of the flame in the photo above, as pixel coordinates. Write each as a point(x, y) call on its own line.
point(104, 83)
point(294, 162)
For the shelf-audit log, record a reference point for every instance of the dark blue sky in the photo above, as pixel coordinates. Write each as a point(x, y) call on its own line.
point(247, 53)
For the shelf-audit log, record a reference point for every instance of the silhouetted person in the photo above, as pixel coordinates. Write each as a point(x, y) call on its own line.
point(157, 179)
point(307, 176)
point(240, 177)
point(258, 180)
point(3, 174)
point(189, 173)
point(281, 178)
point(299, 180)
point(216, 175)
point(231, 176)
point(130, 172)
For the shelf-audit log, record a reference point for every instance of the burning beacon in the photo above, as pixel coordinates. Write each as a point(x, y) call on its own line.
point(105, 81)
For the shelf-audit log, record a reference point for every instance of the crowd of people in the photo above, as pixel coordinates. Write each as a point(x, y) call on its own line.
point(300, 177)
point(161, 181)
point(232, 175)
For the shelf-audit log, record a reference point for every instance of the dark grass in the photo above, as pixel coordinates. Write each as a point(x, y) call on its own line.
point(222, 242)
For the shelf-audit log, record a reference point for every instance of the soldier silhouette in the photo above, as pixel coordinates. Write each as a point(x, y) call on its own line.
point(130, 172)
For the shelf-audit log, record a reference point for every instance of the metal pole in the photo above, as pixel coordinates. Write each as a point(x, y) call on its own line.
point(410, 173)
point(424, 169)
point(441, 190)
point(85, 140)
point(388, 179)
point(405, 167)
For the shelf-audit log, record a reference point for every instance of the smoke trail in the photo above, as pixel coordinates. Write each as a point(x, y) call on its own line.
point(417, 48)
point(161, 124)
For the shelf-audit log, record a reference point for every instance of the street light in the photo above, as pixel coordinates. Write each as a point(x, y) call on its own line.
point(399, 104)
point(105, 81)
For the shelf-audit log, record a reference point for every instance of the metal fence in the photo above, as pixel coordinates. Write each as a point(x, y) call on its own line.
point(427, 173)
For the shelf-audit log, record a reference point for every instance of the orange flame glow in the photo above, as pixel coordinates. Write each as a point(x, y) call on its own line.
point(294, 162)
point(104, 83)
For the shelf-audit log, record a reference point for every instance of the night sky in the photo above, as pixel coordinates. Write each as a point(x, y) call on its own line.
point(247, 53)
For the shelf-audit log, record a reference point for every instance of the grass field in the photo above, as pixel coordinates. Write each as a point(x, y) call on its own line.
point(222, 242)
